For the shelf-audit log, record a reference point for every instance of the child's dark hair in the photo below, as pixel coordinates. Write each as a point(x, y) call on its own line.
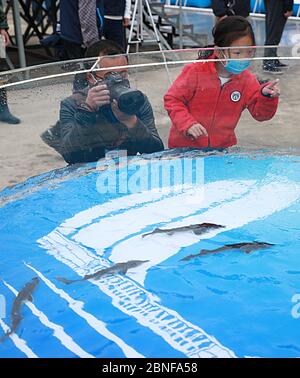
point(230, 29)
point(105, 47)
point(227, 31)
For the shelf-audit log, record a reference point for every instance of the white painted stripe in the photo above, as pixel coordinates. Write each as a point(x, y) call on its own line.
point(19, 343)
point(112, 228)
point(260, 203)
point(93, 322)
point(58, 330)
point(136, 302)
point(136, 219)
point(86, 217)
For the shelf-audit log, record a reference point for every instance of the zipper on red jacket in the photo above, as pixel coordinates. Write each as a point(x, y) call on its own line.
point(211, 125)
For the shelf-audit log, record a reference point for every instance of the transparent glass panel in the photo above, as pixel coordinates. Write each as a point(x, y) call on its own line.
point(234, 114)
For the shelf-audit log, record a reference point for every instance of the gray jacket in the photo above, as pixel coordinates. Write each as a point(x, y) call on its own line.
point(86, 136)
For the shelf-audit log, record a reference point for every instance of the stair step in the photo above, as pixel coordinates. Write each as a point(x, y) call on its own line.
point(187, 26)
point(166, 29)
point(164, 23)
point(172, 15)
point(167, 22)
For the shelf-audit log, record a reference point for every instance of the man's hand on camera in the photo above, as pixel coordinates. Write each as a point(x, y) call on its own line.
point(128, 120)
point(97, 97)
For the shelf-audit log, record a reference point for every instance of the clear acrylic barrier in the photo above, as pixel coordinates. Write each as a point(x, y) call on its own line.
point(34, 95)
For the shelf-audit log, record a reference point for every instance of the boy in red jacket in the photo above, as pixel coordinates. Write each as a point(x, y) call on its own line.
point(206, 101)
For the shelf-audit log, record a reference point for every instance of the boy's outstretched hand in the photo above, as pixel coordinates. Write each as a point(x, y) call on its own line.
point(272, 89)
point(196, 131)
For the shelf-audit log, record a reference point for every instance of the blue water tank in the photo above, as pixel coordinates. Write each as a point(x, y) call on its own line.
point(259, 7)
point(195, 3)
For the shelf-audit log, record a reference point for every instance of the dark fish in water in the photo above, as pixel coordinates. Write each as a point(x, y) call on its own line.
point(197, 229)
point(24, 295)
point(244, 247)
point(119, 268)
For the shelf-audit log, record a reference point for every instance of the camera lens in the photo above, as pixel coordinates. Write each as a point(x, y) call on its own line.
point(131, 101)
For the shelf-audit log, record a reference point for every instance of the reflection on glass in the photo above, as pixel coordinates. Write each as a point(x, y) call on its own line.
point(37, 94)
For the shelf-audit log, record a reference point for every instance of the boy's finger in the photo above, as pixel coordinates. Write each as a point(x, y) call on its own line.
point(268, 90)
point(203, 129)
point(273, 83)
point(100, 87)
point(114, 105)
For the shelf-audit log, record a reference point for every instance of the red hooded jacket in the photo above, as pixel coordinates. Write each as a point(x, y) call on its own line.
point(197, 96)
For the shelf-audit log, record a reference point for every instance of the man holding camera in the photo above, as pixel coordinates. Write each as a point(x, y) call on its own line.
point(104, 115)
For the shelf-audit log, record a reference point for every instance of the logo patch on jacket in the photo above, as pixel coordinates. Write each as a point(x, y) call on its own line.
point(235, 96)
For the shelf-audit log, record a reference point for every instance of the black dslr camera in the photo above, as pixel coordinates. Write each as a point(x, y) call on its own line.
point(129, 100)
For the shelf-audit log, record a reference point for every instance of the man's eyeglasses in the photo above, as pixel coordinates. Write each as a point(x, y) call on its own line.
point(99, 74)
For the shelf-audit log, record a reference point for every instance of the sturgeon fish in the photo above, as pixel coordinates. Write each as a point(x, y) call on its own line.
point(23, 296)
point(197, 229)
point(244, 247)
point(119, 268)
